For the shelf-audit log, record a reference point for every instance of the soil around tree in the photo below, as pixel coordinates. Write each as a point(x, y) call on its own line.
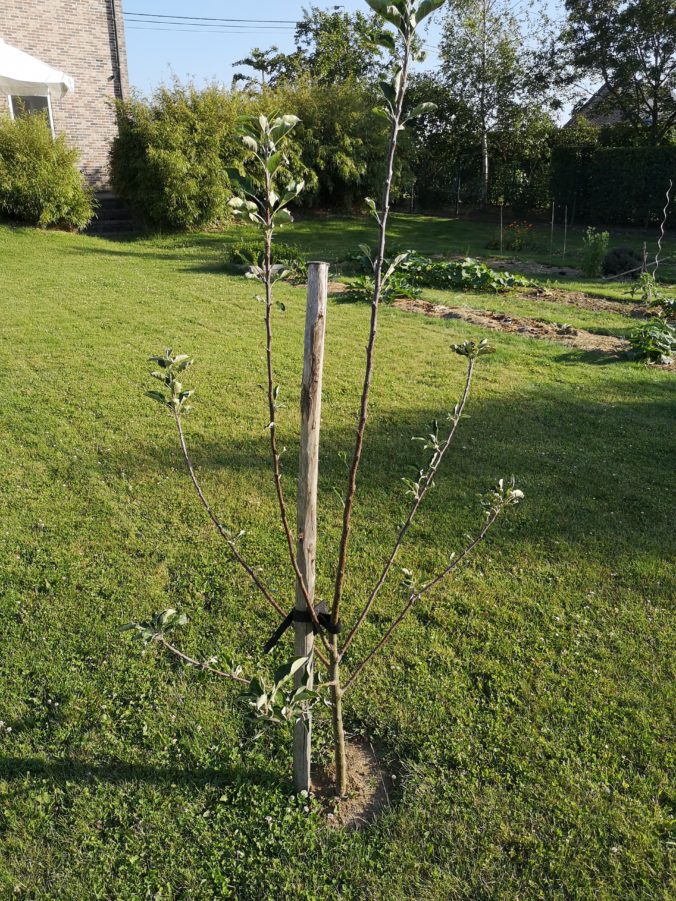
point(368, 790)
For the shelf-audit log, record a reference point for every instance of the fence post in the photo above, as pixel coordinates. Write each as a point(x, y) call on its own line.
point(310, 421)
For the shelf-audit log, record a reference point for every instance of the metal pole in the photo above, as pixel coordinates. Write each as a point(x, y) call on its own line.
point(310, 421)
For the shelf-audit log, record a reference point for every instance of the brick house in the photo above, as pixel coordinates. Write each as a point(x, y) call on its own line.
point(84, 38)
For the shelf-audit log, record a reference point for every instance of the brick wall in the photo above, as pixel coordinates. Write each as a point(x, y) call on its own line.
point(77, 37)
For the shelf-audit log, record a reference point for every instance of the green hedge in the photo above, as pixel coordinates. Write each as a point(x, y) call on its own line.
point(615, 185)
point(40, 183)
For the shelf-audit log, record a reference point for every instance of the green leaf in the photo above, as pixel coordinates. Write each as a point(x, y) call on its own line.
point(423, 109)
point(287, 670)
point(426, 8)
point(275, 162)
point(282, 217)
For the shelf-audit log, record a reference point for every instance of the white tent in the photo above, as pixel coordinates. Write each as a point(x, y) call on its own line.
point(22, 75)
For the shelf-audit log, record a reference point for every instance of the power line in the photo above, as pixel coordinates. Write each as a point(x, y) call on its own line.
point(212, 19)
point(186, 26)
point(201, 33)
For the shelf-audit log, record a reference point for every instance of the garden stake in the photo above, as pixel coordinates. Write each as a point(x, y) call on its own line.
point(310, 420)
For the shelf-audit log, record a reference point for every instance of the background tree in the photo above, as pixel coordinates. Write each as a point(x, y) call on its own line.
point(631, 47)
point(265, 62)
point(492, 70)
point(331, 47)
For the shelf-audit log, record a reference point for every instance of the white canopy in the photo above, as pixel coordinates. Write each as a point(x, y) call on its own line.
point(25, 76)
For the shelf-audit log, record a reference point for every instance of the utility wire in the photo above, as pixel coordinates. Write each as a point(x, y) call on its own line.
point(211, 18)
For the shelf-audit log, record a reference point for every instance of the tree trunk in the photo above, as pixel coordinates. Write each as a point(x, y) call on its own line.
point(337, 718)
point(310, 412)
point(484, 166)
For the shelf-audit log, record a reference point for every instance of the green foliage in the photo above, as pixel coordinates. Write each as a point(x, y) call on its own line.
point(620, 185)
point(40, 183)
point(245, 254)
point(171, 158)
point(341, 141)
point(631, 46)
point(652, 296)
point(622, 260)
point(460, 275)
point(517, 235)
point(595, 249)
point(654, 341)
point(398, 286)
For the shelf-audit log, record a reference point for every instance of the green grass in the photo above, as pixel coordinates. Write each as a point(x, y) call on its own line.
point(527, 706)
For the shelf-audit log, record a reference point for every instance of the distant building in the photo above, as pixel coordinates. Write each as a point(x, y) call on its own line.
point(85, 39)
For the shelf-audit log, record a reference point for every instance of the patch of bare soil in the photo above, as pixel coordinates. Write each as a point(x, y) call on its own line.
point(368, 788)
point(530, 328)
point(530, 267)
point(585, 301)
point(337, 288)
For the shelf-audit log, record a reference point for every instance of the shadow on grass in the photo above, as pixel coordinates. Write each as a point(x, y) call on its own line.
point(120, 772)
point(578, 458)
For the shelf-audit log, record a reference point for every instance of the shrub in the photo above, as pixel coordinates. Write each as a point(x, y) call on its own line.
point(595, 248)
point(40, 183)
point(619, 260)
point(654, 341)
point(171, 157)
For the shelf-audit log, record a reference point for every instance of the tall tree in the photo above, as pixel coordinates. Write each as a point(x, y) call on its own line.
point(481, 62)
point(631, 46)
point(331, 47)
point(264, 62)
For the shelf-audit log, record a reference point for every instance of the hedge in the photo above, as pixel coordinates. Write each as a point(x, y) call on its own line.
point(614, 185)
point(40, 183)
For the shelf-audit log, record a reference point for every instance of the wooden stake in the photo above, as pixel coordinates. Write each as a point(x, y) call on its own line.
point(310, 421)
point(565, 235)
point(551, 237)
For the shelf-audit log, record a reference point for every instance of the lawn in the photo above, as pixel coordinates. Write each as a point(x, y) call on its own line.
point(526, 707)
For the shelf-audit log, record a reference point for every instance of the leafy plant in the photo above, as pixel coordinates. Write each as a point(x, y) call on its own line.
point(40, 183)
point(594, 250)
point(460, 275)
point(264, 202)
point(517, 236)
point(243, 255)
point(654, 341)
point(652, 296)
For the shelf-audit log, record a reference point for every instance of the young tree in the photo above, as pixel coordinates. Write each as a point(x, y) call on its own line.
point(265, 204)
point(631, 46)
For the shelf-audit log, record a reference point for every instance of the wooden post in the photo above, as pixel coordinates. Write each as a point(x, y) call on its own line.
point(551, 237)
point(502, 207)
point(565, 235)
point(310, 421)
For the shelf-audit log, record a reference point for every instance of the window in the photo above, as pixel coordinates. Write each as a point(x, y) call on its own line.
point(29, 106)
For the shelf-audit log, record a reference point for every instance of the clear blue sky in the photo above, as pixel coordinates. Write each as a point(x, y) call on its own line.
point(206, 53)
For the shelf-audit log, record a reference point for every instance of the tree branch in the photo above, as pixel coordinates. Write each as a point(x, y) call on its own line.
point(427, 483)
point(222, 531)
point(416, 595)
point(366, 390)
point(161, 640)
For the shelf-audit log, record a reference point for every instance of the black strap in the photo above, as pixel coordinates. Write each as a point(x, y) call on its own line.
point(303, 616)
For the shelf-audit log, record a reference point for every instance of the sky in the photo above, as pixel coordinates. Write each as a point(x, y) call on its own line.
point(207, 53)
